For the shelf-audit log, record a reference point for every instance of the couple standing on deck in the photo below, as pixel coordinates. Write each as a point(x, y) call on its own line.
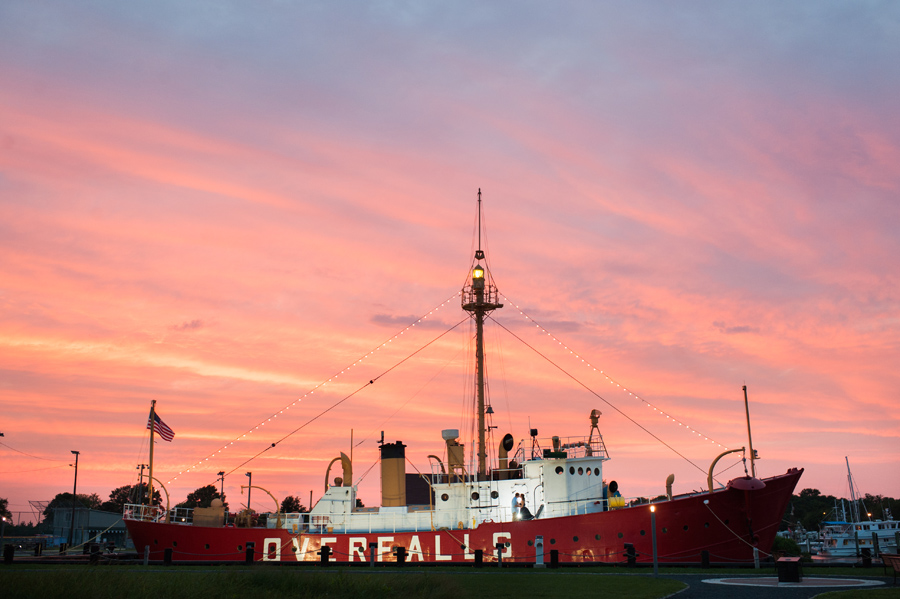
point(518, 503)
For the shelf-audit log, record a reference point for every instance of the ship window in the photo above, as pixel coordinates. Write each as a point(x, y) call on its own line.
point(559, 469)
point(621, 535)
point(665, 530)
point(240, 547)
point(596, 472)
point(580, 471)
point(475, 496)
point(494, 494)
point(445, 497)
point(553, 541)
point(588, 471)
point(206, 546)
point(571, 469)
point(575, 539)
point(685, 526)
point(156, 541)
point(530, 542)
point(643, 533)
point(726, 521)
point(706, 525)
point(174, 543)
point(597, 537)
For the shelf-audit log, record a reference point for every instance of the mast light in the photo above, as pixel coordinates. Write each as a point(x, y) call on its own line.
point(478, 277)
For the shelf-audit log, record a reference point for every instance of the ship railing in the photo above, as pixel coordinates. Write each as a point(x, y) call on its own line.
point(568, 447)
point(144, 513)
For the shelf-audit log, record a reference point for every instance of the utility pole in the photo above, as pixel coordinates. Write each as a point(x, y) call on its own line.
point(74, 500)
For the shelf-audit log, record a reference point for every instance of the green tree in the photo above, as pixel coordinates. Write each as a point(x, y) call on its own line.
point(202, 497)
point(4, 508)
point(292, 505)
point(128, 494)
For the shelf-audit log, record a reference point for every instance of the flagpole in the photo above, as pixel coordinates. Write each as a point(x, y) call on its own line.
point(152, 428)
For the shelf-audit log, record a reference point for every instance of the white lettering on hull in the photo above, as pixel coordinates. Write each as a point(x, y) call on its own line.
point(324, 542)
point(468, 553)
point(507, 551)
point(437, 551)
point(276, 542)
point(415, 549)
point(357, 548)
point(382, 548)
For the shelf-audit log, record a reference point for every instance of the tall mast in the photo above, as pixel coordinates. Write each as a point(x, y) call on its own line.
point(480, 299)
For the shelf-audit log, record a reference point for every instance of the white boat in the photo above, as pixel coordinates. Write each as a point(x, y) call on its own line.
point(852, 535)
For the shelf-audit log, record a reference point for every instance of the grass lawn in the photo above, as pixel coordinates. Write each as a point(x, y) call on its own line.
point(275, 583)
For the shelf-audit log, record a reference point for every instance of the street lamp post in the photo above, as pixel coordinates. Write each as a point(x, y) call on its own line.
point(222, 478)
point(653, 537)
point(74, 499)
point(249, 488)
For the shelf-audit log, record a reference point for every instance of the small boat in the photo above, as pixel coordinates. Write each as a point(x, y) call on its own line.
point(851, 535)
point(545, 500)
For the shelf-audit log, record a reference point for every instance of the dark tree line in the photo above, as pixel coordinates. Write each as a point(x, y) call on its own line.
point(810, 508)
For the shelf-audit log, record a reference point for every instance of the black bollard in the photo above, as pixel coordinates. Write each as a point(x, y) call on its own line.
point(62, 548)
point(8, 552)
point(401, 555)
point(631, 555)
point(167, 556)
point(95, 554)
point(866, 557)
point(704, 559)
point(479, 558)
point(39, 549)
point(324, 555)
point(249, 554)
point(554, 558)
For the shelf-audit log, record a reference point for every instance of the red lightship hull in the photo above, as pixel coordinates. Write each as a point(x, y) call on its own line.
point(727, 523)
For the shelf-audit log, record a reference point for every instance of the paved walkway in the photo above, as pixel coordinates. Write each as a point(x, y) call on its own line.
point(704, 586)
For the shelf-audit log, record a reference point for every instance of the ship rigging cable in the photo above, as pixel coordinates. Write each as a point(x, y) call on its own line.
point(597, 395)
point(313, 390)
point(339, 402)
point(609, 378)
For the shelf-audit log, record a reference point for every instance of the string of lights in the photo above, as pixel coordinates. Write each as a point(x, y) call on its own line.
point(274, 415)
point(612, 381)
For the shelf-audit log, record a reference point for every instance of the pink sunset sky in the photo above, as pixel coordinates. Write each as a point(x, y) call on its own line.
point(223, 205)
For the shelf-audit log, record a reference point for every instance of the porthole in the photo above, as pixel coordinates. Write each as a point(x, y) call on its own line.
point(553, 541)
point(621, 535)
point(530, 542)
point(240, 547)
point(294, 548)
point(156, 541)
point(494, 494)
point(665, 530)
point(580, 471)
point(685, 526)
point(174, 543)
point(588, 471)
point(475, 496)
point(643, 533)
point(575, 539)
point(445, 497)
point(596, 472)
point(726, 521)
point(597, 537)
point(571, 469)
point(206, 546)
point(559, 469)
point(706, 525)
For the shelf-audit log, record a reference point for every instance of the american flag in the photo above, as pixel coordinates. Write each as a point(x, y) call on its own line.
point(161, 428)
